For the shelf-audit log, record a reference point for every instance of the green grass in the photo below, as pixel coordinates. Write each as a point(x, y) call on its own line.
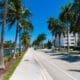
point(7, 58)
point(12, 68)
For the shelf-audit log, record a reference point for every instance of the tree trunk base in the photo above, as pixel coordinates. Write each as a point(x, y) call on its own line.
point(14, 56)
point(2, 66)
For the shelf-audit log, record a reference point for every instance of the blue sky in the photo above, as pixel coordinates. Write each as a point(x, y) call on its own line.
point(41, 10)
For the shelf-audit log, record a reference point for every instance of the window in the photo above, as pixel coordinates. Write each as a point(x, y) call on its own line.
point(72, 43)
point(72, 39)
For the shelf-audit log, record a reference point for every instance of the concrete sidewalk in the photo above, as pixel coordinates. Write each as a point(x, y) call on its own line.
point(28, 69)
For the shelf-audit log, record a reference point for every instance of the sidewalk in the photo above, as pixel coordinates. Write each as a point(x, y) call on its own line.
point(28, 69)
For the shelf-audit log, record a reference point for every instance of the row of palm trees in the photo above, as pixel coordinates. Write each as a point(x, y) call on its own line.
point(14, 14)
point(69, 21)
point(56, 27)
point(38, 43)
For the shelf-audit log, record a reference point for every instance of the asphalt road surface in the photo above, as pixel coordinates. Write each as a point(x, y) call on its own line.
point(38, 65)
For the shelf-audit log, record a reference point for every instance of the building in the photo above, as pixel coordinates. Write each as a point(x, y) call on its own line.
point(73, 40)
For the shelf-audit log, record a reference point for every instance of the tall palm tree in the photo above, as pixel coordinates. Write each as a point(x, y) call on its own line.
point(26, 27)
point(2, 35)
point(16, 14)
point(56, 27)
point(75, 18)
point(76, 23)
point(52, 25)
point(66, 17)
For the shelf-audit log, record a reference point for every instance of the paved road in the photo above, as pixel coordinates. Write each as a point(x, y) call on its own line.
point(36, 65)
point(59, 69)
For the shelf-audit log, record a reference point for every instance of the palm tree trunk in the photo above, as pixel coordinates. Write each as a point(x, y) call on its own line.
point(15, 43)
point(59, 42)
point(75, 40)
point(67, 38)
point(78, 39)
point(2, 48)
point(19, 42)
point(2, 66)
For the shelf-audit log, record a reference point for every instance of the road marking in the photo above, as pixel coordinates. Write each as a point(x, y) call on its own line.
point(62, 70)
point(45, 74)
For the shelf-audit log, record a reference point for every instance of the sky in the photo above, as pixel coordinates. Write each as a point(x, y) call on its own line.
point(41, 10)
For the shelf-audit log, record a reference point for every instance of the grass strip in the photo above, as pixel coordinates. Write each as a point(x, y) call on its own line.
point(13, 67)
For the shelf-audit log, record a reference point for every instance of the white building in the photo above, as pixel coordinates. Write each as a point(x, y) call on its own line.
point(73, 39)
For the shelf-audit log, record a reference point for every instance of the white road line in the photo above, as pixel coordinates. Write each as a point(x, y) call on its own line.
point(62, 70)
point(44, 72)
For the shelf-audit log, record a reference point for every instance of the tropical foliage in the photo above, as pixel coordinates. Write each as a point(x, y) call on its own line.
point(39, 41)
point(56, 27)
point(14, 14)
point(68, 22)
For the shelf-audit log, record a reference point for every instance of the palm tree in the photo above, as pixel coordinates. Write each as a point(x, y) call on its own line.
point(52, 25)
point(2, 36)
point(16, 14)
point(49, 44)
point(35, 43)
point(26, 27)
point(74, 12)
point(39, 41)
point(66, 17)
point(25, 40)
point(76, 21)
point(41, 38)
point(56, 27)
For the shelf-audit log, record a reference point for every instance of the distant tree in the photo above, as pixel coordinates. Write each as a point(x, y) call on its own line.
point(8, 44)
point(25, 40)
point(49, 44)
point(39, 40)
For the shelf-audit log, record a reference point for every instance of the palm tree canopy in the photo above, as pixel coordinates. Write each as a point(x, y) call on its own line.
point(67, 15)
point(41, 37)
point(56, 26)
point(51, 23)
point(16, 12)
point(25, 39)
point(26, 25)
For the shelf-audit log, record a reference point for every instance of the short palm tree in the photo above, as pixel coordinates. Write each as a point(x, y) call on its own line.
point(41, 38)
point(25, 40)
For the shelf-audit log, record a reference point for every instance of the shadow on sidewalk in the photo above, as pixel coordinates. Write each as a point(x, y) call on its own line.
point(74, 70)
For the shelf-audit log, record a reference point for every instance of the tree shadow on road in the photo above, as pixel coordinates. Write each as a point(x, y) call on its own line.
point(74, 70)
point(65, 56)
point(69, 58)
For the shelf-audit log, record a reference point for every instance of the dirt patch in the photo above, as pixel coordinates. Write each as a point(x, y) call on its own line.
point(7, 66)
